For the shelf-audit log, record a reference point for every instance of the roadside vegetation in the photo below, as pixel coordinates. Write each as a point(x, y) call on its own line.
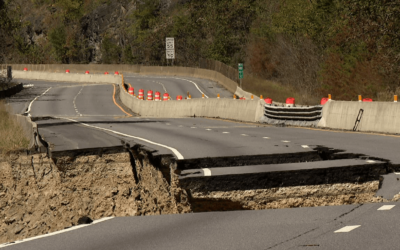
point(12, 137)
point(309, 48)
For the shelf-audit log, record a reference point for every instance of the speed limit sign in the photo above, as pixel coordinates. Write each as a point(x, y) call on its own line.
point(170, 47)
point(170, 54)
point(169, 43)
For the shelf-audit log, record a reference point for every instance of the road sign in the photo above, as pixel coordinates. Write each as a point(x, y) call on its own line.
point(240, 67)
point(169, 43)
point(170, 53)
point(170, 47)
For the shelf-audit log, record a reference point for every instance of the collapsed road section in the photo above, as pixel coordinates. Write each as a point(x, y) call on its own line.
point(39, 194)
point(322, 177)
point(42, 193)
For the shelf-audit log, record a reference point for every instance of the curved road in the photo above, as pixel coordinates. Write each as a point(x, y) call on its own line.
point(87, 116)
point(177, 86)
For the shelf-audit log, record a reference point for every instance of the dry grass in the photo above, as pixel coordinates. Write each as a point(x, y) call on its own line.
point(12, 137)
point(276, 91)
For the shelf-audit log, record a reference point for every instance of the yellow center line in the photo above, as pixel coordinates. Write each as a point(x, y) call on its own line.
point(118, 105)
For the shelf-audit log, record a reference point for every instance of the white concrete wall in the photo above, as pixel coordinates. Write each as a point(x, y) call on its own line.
point(250, 111)
point(241, 93)
point(377, 117)
point(48, 76)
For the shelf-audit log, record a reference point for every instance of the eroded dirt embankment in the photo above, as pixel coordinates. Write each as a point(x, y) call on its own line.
point(286, 197)
point(356, 184)
point(39, 195)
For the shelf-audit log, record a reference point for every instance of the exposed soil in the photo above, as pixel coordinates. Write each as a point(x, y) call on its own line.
point(39, 196)
point(286, 197)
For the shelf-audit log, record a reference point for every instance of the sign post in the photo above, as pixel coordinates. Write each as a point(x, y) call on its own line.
point(170, 48)
point(9, 73)
point(240, 69)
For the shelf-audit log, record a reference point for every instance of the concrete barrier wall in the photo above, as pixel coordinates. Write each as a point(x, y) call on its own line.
point(377, 116)
point(241, 93)
point(48, 76)
point(250, 111)
point(126, 68)
point(76, 68)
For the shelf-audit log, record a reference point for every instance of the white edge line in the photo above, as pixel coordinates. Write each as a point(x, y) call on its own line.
point(162, 86)
point(207, 171)
point(386, 207)
point(54, 233)
point(347, 229)
point(175, 151)
point(74, 102)
point(184, 80)
point(30, 104)
point(194, 85)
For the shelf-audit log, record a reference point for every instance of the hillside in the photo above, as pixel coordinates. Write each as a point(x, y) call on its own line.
point(342, 47)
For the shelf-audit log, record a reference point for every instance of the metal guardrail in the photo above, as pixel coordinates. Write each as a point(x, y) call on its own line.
point(304, 116)
point(312, 113)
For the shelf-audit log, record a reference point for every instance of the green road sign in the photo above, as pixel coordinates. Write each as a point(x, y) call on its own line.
point(240, 67)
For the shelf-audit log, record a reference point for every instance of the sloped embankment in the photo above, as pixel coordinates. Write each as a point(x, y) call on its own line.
point(40, 194)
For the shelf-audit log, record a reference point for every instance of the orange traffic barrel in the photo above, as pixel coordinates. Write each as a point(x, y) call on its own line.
point(141, 94)
point(165, 97)
point(324, 100)
point(157, 96)
point(290, 102)
point(268, 100)
point(150, 95)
